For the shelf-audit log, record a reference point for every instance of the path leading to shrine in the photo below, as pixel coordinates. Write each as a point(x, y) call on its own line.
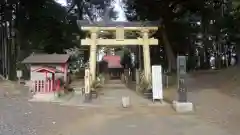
point(111, 96)
point(113, 92)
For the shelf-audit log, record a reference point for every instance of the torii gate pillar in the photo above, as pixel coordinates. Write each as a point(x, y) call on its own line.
point(93, 54)
point(146, 54)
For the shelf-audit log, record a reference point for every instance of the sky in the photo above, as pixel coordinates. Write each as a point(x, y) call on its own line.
point(121, 14)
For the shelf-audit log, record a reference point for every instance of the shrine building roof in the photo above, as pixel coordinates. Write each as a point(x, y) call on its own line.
point(46, 59)
point(47, 69)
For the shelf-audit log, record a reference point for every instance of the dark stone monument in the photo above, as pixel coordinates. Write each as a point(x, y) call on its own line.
point(181, 74)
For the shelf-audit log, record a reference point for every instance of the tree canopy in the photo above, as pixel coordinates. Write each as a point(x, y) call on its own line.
point(47, 25)
point(184, 19)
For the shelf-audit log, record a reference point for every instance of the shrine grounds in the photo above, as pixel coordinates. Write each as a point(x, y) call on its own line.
point(216, 99)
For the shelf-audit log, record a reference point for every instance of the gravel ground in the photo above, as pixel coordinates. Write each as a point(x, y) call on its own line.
point(20, 117)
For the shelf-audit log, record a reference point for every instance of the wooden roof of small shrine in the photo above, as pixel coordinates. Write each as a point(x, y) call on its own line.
point(46, 59)
point(47, 69)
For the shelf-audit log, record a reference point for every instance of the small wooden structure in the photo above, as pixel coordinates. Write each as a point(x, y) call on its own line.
point(50, 83)
point(115, 68)
point(47, 70)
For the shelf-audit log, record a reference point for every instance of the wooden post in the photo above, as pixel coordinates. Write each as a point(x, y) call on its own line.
point(93, 54)
point(137, 74)
point(87, 81)
point(87, 85)
point(19, 75)
point(126, 76)
point(146, 54)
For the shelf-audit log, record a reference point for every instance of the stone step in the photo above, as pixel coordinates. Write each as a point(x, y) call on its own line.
point(114, 86)
point(114, 82)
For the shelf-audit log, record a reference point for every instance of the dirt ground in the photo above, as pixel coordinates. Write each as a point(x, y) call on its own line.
point(216, 96)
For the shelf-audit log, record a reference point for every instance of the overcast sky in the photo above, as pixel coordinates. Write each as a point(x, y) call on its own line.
point(121, 15)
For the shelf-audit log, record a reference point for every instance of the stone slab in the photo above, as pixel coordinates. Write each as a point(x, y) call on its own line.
point(43, 97)
point(158, 103)
point(126, 101)
point(183, 107)
point(50, 97)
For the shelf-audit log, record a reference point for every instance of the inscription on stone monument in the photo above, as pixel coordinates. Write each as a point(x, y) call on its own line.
point(181, 73)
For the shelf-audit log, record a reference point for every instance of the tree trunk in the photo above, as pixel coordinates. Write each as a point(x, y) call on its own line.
point(172, 65)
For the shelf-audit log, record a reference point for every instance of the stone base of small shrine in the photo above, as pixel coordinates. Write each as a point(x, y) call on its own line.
point(183, 107)
point(51, 97)
point(44, 97)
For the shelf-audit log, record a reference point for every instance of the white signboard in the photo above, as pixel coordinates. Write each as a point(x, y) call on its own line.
point(157, 85)
point(19, 73)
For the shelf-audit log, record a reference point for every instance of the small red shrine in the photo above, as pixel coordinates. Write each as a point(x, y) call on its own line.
point(115, 69)
point(47, 71)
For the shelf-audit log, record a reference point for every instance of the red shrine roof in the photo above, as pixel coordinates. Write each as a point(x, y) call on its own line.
point(47, 69)
point(113, 61)
point(46, 59)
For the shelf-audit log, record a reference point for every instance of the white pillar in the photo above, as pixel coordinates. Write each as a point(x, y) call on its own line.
point(93, 54)
point(146, 55)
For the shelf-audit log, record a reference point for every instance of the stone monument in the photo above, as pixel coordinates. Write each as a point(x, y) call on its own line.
point(182, 105)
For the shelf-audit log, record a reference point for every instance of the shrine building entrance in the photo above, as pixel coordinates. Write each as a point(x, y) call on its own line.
point(114, 68)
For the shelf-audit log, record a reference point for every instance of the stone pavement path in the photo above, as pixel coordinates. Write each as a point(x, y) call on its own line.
point(114, 90)
point(111, 95)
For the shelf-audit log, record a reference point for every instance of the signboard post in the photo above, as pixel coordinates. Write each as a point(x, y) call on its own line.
point(19, 75)
point(87, 89)
point(157, 86)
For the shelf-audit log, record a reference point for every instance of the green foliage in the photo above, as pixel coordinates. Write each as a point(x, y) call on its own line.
point(46, 25)
point(93, 9)
point(42, 25)
point(176, 16)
